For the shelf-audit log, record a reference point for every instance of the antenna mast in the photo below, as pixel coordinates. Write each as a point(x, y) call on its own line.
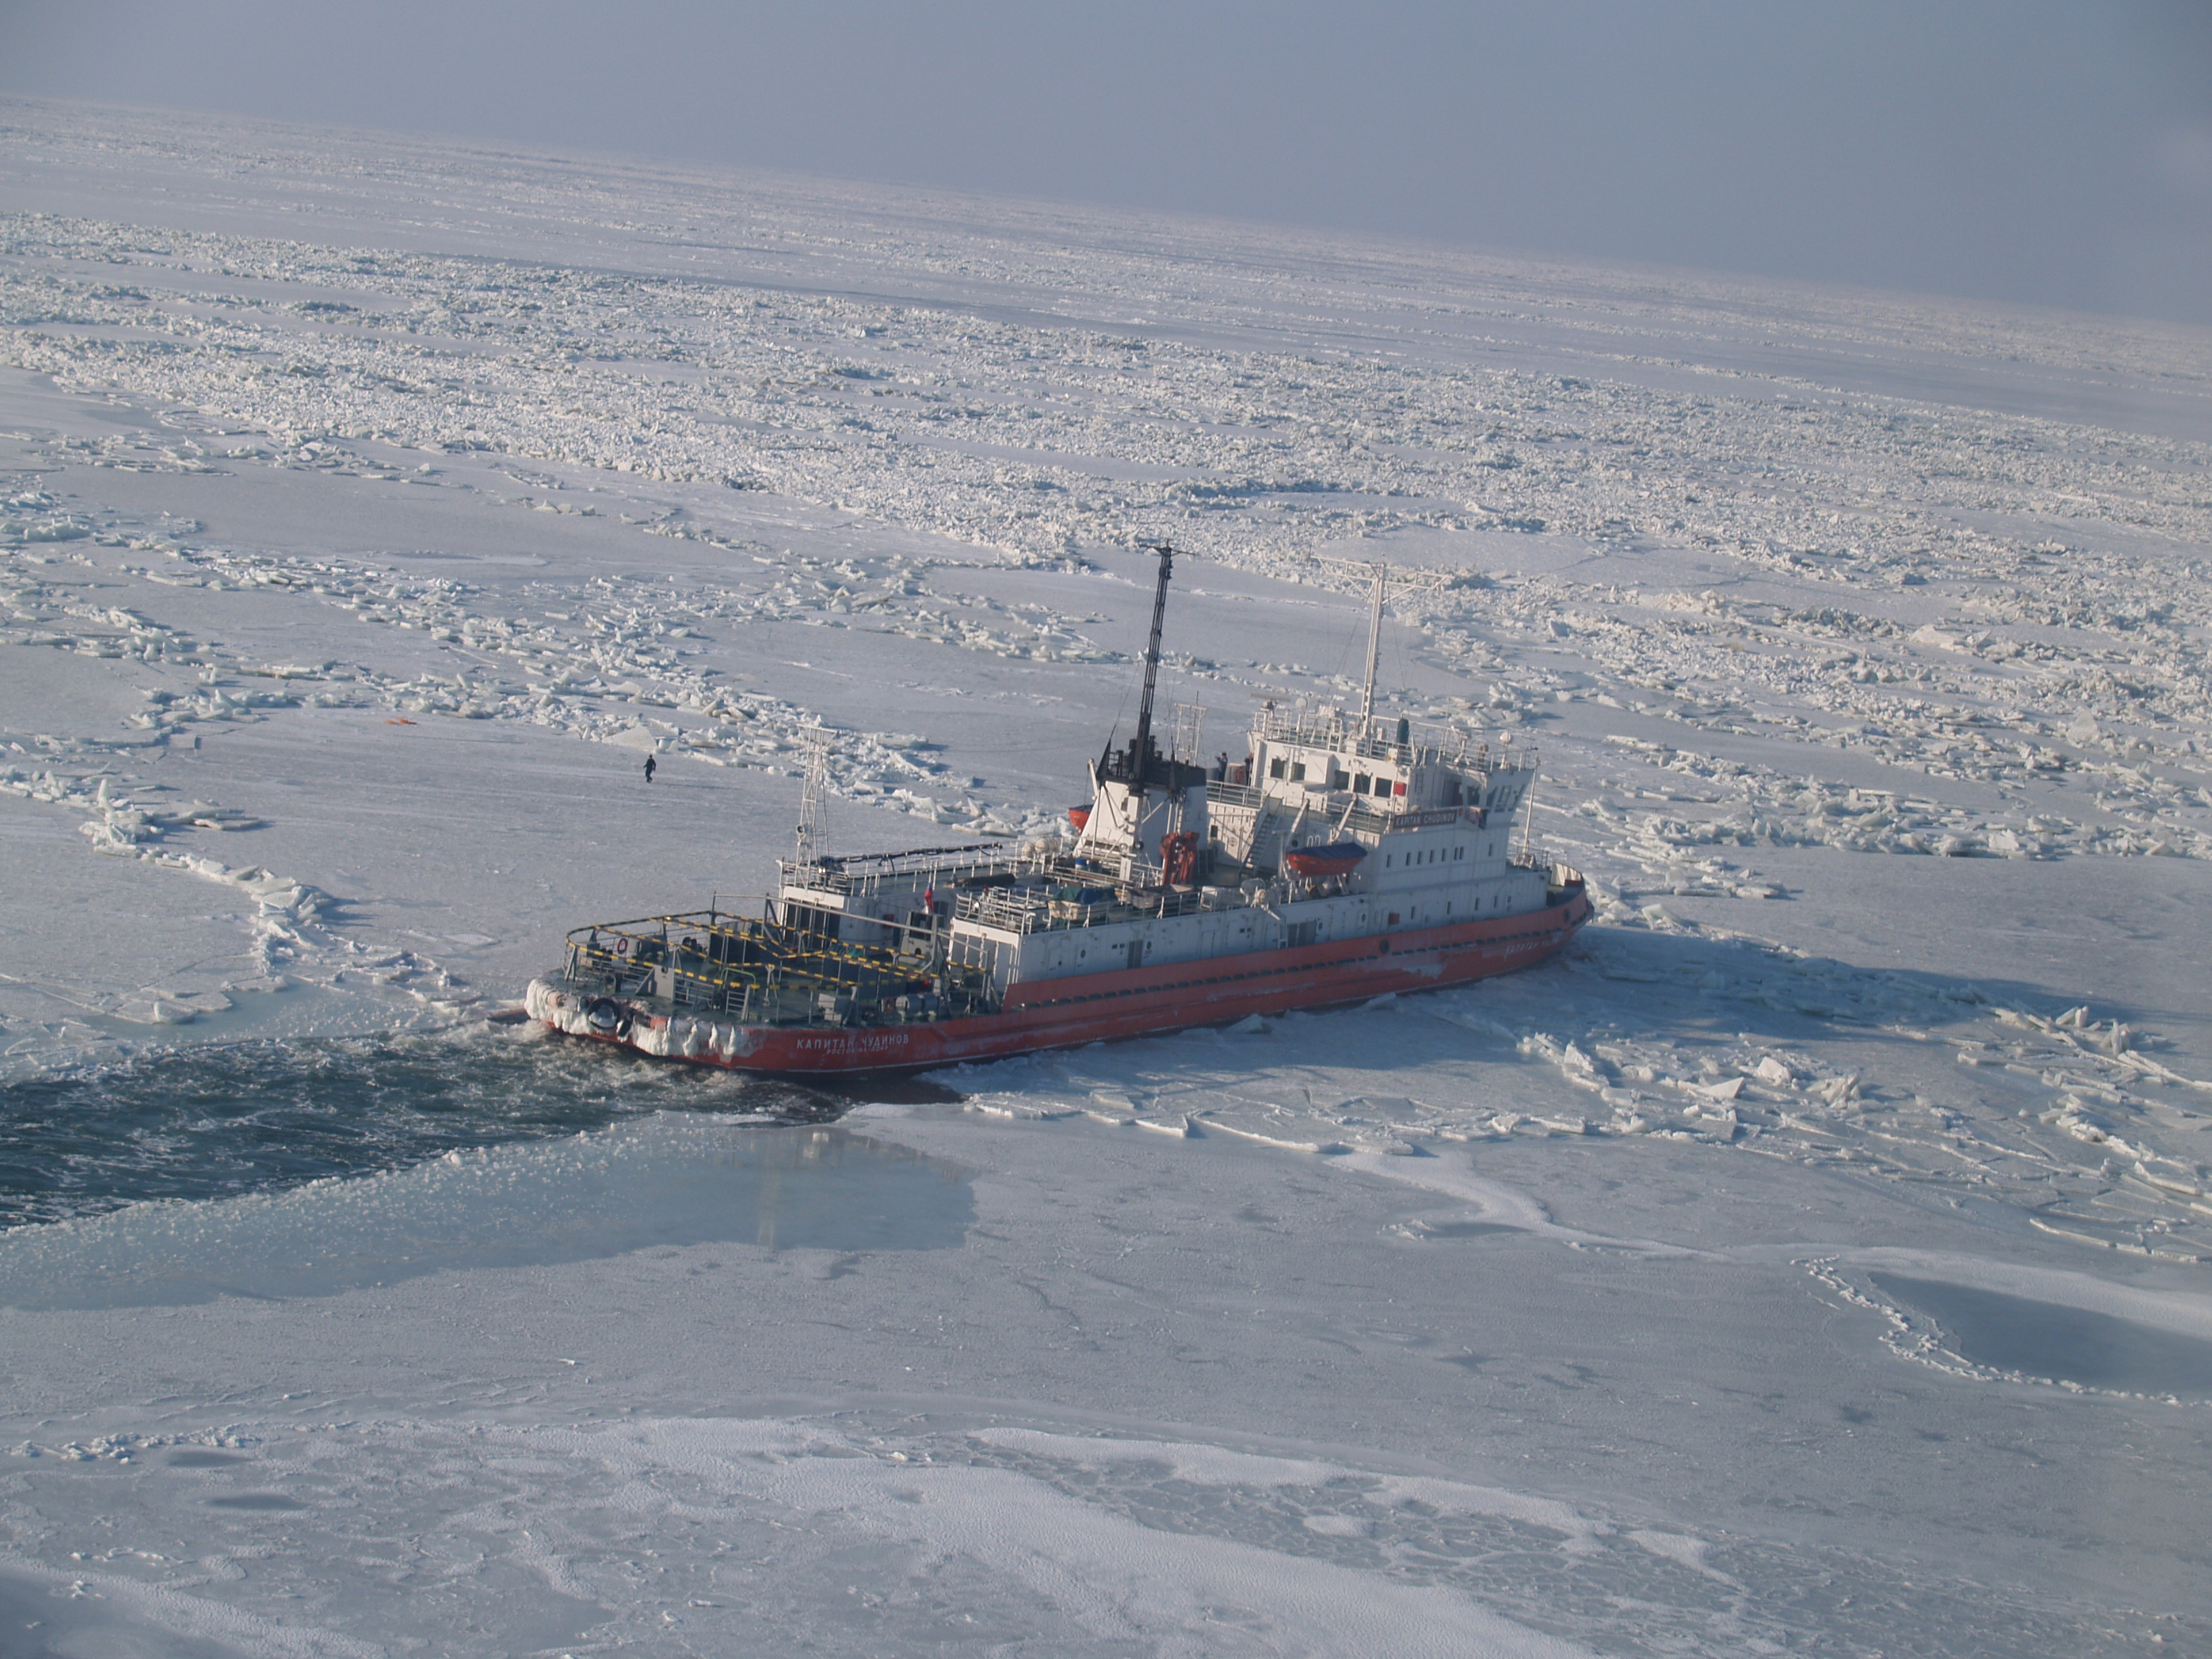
point(1377, 572)
point(1141, 746)
point(813, 797)
point(1374, 648)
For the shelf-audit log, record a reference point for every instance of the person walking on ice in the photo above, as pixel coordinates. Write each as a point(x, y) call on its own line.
point(649, 769)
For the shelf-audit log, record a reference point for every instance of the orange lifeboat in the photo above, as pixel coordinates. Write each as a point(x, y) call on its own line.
point(1319, 863)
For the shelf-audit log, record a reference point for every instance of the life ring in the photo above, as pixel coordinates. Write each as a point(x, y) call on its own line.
point(621, 947)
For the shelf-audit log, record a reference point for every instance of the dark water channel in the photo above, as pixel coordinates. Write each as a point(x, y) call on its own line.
point(218, 1122)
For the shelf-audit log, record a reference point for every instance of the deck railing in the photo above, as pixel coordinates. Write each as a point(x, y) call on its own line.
point(860, 872)
point(1426, 741)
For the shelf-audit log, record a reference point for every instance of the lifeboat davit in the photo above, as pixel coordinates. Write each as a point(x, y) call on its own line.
point(1319, 863)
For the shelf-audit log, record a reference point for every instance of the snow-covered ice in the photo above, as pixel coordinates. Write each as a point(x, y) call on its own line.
point(1818, 1258)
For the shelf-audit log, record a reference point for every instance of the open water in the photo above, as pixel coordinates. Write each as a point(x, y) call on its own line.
point(217, 1122)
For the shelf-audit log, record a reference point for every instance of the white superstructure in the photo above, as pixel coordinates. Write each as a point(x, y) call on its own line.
point(1432, 811)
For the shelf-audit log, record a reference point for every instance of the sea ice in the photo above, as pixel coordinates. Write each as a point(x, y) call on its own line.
point(1815, 1256)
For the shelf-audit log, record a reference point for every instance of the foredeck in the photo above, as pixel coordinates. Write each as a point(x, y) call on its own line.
point(769, 973)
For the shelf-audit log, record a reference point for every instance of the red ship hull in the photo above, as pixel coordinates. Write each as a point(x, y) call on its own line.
point(1067, 1013)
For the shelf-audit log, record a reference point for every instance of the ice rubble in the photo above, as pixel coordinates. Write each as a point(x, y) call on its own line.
point(293, 940)
point(2068, 663)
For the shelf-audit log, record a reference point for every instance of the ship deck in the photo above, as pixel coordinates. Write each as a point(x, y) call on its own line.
point(758, 972)
point(1067, 1012)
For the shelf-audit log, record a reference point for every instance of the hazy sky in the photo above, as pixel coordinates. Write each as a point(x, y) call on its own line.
point(2011, 149)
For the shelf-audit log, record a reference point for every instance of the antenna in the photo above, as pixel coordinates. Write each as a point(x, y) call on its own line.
point(1378, 573)
point(1374, 647)
point(813, 796)
point(1141, 746)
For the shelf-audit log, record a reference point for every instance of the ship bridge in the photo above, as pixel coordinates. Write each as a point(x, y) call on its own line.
point(1397, 764)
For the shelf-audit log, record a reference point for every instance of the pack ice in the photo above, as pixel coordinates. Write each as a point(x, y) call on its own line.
point(1817, 1257)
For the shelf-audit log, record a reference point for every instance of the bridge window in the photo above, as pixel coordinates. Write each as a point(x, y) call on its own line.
point(1275, 767)
point(1360, 783)
point(1297, 771)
